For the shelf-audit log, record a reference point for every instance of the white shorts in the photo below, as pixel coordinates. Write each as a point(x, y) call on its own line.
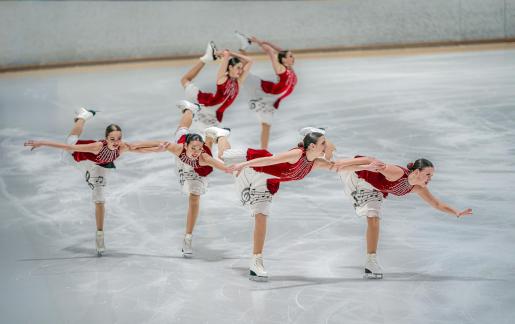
point(261, 103)
point(250, 185)
point(206, 117)
point(367, 200)
point(95, 175)
point(190, 181)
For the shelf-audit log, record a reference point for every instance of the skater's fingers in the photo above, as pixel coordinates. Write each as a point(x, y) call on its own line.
point(466, 212)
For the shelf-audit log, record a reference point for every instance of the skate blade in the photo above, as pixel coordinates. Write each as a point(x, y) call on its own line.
point(254, 277)
point(258, 278)
point(187, 255)
point(100, 253)
point(373, 276)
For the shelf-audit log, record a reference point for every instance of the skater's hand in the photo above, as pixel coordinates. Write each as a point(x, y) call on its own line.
point(254, 39)
point(238, 167)
point(229, 169)
point(33, 144)
point(375, 166)
point(466, 212)
point(223, 54)
point(162, 146)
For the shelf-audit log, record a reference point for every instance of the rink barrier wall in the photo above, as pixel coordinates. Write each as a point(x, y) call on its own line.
point(41, 33)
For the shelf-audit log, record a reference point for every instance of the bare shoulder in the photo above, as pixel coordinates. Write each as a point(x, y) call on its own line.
point(175, 148)
point(221, 80)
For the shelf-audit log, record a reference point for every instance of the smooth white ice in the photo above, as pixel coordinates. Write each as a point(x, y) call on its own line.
point(456, 109)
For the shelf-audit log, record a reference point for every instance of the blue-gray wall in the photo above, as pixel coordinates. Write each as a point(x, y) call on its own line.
point(43, 32)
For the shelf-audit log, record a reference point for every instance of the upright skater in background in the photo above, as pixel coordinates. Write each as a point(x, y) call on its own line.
point(367, 189)
point(210, 107)
point(266, 96)
point(94, 159)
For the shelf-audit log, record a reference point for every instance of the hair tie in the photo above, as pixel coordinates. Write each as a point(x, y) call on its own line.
point(410, 165)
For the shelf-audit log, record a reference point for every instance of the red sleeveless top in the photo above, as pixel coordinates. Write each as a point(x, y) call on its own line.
point(398, 187)
point(224, 96)
point(104, 158)
point(285, 86)
point(283, 171)
point(201, 170)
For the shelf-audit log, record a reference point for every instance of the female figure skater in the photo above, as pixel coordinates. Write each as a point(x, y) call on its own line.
point(368, 188)
point(210, 107)
point(258, 174)
point(267, 95)
point(94, 158)
point(194, 162)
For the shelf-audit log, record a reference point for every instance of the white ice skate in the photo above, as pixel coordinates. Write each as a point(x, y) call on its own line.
point(372, 268)
point(257, 269)
point(184, 105)
point(210, 54)
point(83, 113)
point(216, 132)
point(100, 243)
point(244, 40)
point(306, 130)
point(187, 251)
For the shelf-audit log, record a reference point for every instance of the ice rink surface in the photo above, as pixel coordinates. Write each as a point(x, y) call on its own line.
point(456, 109)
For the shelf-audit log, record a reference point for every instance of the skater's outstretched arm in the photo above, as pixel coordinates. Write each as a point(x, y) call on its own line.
point(156, 146)
point(362, 160)
point(434, 202)
point(146, 147)
point(215, 163)
point(87, 148)
point(276, 48)
point(355, 164)
point(290, 157)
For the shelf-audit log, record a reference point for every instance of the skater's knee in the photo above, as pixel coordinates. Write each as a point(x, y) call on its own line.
point(260, 219)
point(373, 221)
point(185, 81)
point(194, 199)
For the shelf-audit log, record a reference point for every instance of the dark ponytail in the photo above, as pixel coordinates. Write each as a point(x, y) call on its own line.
point(193, 137)
point(310, 138)
point(112, 128)
point(281, 55)
point(419, 165)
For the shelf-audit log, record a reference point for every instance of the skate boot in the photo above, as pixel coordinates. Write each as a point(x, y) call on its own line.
point(257, 269)
point(244, 40)
point(372, 268)
point(210, 54)
point(100, 243)
point(306, 130)
point(216, 132)
point(83, 113)
point(184, 105)
point(187, 251)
